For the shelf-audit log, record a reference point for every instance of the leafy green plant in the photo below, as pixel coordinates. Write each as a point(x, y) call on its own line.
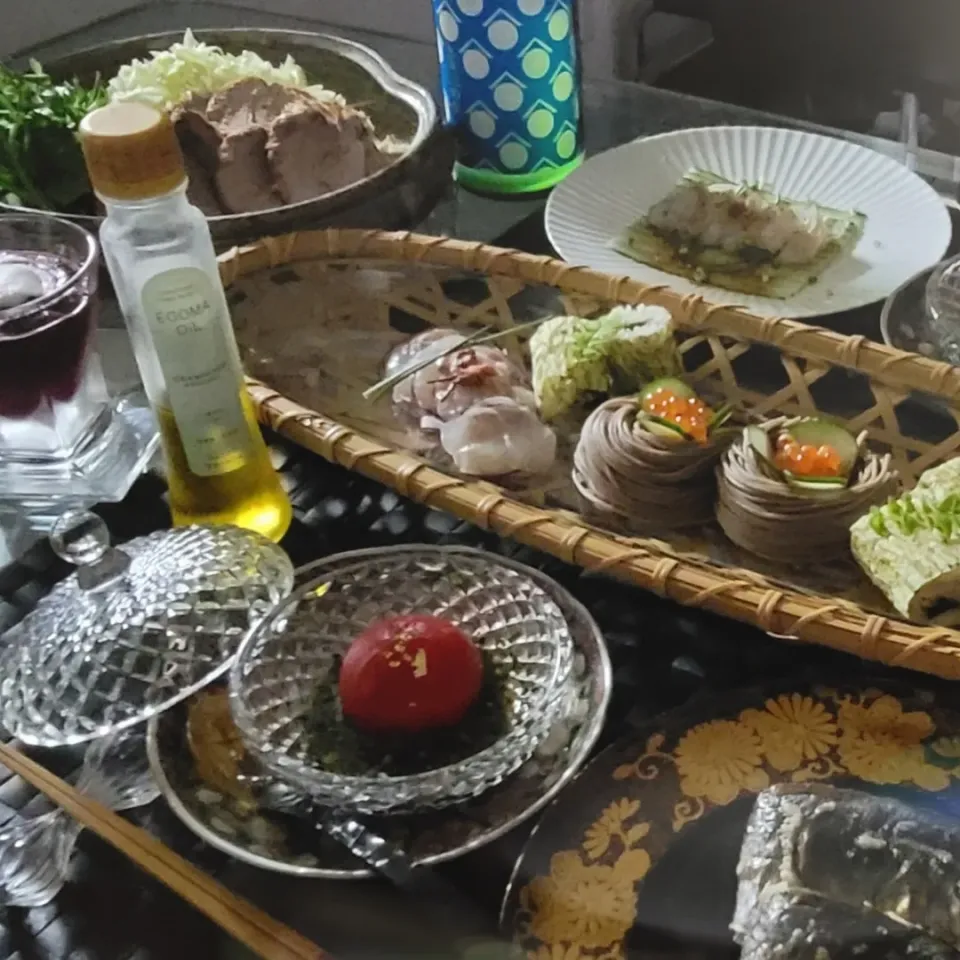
point(41, 164)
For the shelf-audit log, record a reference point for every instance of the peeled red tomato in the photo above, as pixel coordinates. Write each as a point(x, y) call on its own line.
point(410, 673)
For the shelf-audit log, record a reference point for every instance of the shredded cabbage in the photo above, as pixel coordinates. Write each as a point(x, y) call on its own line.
point(170, 76)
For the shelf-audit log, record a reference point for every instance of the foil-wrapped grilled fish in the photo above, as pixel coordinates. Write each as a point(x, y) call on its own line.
point(800, 925)
point(853, 849)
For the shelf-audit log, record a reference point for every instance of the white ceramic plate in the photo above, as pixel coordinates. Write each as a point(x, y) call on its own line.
point(907, 229)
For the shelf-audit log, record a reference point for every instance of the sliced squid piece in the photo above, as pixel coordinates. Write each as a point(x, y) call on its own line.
point(499, 436)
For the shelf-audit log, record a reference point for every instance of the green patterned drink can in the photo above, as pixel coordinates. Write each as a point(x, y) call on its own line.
point(510, 76)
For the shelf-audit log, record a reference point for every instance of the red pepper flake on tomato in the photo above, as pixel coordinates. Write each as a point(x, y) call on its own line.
point(410, 673)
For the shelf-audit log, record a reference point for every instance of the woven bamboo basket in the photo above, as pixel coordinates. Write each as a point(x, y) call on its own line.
point(316, 314)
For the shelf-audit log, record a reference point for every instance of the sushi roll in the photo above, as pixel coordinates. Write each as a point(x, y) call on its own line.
point(647, 462)
point(910, 547)
point(642, 346)
point(576, 360)
point(741, 237)
point(789, 489)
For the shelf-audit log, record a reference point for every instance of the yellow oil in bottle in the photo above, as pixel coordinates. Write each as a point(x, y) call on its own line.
point(250, 496)
point(161, 258)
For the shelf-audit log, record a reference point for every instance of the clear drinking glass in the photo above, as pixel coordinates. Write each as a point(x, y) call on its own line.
point(62, 437)
point(51, 385)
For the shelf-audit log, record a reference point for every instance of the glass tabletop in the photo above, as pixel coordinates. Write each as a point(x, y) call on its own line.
point(663, 655)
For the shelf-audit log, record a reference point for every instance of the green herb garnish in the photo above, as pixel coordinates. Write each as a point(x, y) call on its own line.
point(877, 523)
point(41, 164)
point(908, 514)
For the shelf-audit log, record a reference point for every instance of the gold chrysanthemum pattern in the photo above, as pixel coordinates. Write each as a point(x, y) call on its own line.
point(793, 730)
point(717, 760)
point(881, 743)
point(585, 906)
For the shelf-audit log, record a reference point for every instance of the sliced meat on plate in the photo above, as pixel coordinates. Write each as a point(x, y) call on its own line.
point(244, 180)
point(313, 151)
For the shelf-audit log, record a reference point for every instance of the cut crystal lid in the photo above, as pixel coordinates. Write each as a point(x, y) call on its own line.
point(135, 629)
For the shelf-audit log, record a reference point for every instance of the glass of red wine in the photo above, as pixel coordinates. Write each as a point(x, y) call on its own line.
point(51, 385)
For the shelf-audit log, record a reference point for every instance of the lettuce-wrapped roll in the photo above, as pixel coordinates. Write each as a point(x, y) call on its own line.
point(568, 357)
point(576, 360)
point(910, 547)
point(642, 347)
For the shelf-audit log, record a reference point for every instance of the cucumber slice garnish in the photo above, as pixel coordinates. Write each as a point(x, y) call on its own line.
point(815, 484)
point(670, 384)
point(663, 428)
point(815, 481)
point(682, 391)
point(761, 444)
point(819, 433)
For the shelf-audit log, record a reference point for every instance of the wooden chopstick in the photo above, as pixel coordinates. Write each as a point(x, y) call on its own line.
point(246, 923)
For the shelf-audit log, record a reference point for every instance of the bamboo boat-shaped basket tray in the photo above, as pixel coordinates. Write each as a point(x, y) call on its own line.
point(317, 313)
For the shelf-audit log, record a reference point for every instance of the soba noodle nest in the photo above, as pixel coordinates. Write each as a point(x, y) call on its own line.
point(769, 518)
point(630, 479)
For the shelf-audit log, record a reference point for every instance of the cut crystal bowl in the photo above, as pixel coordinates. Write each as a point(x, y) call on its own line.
point(293, 651)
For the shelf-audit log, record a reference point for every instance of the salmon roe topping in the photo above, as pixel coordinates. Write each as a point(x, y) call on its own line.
point(805, 459)
point(690, 414)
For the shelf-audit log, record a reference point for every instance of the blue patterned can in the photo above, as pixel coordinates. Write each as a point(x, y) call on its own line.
point(510, 75)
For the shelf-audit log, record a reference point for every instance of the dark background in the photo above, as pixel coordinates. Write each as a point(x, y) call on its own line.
point(838, 62)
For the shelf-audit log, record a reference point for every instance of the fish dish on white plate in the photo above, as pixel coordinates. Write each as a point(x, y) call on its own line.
point(779, 222)
point(740, 237)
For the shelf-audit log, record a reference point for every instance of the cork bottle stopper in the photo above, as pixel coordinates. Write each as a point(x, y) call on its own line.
point(132, 152)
